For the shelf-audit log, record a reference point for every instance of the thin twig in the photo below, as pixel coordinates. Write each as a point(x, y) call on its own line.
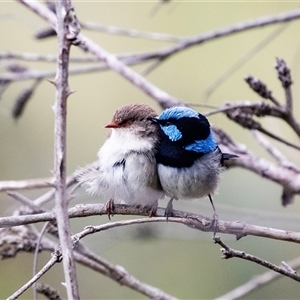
point(278, 138)
point(274, 151)
point(50, 195)
point(117, 273)
point(130, 32)
point(229, 253)
point(25, 201)
point(225, 31)
point(242, 60)
point(42, 57)
point(35, 257)
point(257, 282)
point(26, 184)
point(43, 271)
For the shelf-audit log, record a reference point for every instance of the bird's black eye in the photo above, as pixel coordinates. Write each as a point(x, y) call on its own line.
point(130, 122)
point(165, 123)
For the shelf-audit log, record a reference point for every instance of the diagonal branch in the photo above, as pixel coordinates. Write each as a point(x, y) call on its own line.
point(257, 282)
point(229, 253)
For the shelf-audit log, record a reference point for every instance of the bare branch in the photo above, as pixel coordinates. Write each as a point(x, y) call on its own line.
point(44, 58)
point(25, 201)
point(288, 178)
point(162, 97)
point(225, 31)
point(26, 184)
point(229, 253)
point(275, 152)
point(67, 31)
point(130, 32)
point(117, 273)
point(256, 282)
point(54, 259)
point(195, 221)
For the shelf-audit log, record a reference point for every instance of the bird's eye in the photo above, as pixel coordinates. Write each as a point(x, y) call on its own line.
point(130, 122)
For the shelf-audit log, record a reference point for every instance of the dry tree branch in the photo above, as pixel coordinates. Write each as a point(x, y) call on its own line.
point(163, 98)
point(195, 221)
point(240, 229)
point(229, 253)
point(225, 31)
point(257, 282)
point(279, 156)
point(87, 258)
point(26, 184)
point(117, 273)
point(43, 271)
point(67, 29)
point(40, 57)
point(10, 245)
point(131, 32)
point(12, 241)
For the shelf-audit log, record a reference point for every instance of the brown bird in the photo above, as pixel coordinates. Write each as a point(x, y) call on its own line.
point(126, 171)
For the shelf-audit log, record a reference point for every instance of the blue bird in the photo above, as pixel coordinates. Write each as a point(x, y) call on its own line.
point(189, 160)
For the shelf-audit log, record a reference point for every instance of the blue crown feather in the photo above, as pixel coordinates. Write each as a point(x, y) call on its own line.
point(177, 112)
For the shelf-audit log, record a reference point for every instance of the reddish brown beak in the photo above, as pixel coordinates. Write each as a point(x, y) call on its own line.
point(112, 125)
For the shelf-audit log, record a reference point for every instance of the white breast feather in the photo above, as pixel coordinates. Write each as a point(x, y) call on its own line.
point(128, 185)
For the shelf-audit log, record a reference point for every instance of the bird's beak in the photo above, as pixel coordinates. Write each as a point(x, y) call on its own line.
point(112, 125)
point(154, 119)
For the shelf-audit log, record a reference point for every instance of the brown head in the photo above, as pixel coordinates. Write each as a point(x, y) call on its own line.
point(137, 116)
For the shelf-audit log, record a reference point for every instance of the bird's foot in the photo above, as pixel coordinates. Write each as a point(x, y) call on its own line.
point(153, 209)
point(110, 208)
point(169, 211)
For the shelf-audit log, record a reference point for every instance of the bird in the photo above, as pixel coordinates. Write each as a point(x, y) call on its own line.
point(189, 160)
point(126, 170)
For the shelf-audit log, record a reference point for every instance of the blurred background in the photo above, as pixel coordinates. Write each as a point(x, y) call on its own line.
point(178, 260)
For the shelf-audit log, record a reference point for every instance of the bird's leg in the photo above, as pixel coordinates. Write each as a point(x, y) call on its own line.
point(169, 209)
point(215, 216)
point(153, 209)
point(110, 207)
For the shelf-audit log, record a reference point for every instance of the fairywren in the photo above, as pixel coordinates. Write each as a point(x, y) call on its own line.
point(126, 171)
point(189, 159)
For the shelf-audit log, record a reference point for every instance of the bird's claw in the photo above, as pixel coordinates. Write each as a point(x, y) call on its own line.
point(153, 209)
point(169, 211)
point(110, 208)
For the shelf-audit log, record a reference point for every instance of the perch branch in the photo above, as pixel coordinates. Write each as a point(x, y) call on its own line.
point(198, 222)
